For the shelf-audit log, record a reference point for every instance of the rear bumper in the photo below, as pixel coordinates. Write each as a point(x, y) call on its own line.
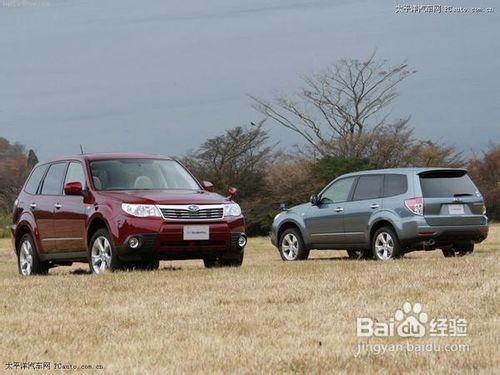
point(436, 236)
point(166, 241)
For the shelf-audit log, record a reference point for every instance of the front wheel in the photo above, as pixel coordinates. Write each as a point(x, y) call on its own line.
point(291, 246)
point(28, 261)
point(102, 255)
point(385, 244)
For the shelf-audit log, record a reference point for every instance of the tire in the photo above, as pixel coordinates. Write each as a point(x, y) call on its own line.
point(102, 254)
point(28, 261)
point(291, 246)
point(385, 244)
point(358, 254)
point(458, 250)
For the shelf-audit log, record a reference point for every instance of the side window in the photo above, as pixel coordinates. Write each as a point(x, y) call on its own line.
point(52, 184)
point(34, 180)
point(75, 173)
point(368, 187)
point(337, 192)
point(395, 184)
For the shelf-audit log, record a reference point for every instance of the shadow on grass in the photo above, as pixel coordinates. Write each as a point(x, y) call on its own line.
point(81, 271)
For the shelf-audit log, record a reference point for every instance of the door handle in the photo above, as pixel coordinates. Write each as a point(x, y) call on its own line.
point(58, 206)
point(339, 209)
point(33, 206)
point(375, 205)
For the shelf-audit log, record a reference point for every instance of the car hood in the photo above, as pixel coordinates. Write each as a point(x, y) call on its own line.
point(199, 197)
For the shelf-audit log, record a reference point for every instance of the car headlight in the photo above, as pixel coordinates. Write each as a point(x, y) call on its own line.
point(141, 210)
point(232, 209)
point(278, 215)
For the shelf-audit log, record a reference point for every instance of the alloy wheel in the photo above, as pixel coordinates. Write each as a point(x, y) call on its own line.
point(26, 258)
point(101, 255)
point(290, 246)
point(384, 246)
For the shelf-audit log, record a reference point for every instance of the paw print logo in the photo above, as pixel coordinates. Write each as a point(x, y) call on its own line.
point(411, 320)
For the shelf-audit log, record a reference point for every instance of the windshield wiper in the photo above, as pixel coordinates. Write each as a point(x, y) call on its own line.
point(463, 195)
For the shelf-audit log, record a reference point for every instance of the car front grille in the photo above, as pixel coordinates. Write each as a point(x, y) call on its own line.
point(192, 212)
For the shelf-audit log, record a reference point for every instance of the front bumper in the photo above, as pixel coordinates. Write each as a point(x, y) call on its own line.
point(163, 240)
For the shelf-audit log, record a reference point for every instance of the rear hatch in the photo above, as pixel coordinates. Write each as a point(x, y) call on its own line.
point(450, 198)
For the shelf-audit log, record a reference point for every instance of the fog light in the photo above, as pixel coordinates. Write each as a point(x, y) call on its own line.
point(242, 241)
point(134, 242)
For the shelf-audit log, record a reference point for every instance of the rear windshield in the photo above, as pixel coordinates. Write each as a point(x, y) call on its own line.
point(447, 184)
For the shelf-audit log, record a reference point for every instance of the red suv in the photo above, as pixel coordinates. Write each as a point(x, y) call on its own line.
point(122, 211)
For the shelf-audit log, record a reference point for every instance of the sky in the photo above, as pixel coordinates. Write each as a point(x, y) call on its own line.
point(161, 76)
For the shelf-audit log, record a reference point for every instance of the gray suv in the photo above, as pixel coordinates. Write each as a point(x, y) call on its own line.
point(385, 213)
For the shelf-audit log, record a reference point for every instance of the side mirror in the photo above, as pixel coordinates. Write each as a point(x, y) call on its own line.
point(314, 199)
point(231, 192)
point(73, 188)
point(208, 186)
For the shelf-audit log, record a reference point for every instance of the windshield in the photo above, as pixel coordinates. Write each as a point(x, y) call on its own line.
point(141, 174)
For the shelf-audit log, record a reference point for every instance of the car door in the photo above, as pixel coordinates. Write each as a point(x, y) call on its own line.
point(69, 214)
point(366, 200)
point(324, 221)
point(46, 204)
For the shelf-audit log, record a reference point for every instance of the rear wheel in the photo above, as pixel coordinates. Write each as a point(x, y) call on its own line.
point(291, 246)
point(28, 261)
point(385, 244)
point(458, 250)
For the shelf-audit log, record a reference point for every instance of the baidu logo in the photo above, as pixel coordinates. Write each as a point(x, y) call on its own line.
point(411, 321)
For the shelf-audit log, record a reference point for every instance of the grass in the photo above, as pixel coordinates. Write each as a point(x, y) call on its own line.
point(268, 316)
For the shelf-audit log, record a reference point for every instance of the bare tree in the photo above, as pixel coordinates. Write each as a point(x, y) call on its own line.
point(344, 101)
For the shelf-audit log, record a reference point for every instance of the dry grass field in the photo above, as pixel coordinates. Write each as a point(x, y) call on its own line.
point(268, 316)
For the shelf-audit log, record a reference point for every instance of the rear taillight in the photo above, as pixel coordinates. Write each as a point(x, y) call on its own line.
point(415, 205)
point(484, 209)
